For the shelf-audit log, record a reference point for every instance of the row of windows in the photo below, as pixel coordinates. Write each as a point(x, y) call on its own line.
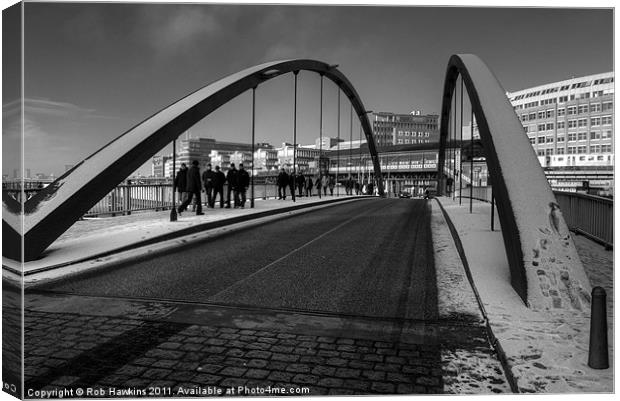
point(563, 99)
point(412, 141)
point(577, 85)
point(573, 137)
point(576, 123)
point(571, 110)
point(414, 133)
point(576, 150)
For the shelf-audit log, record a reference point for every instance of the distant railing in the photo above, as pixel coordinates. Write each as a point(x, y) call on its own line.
point(140, 195)
point(592, 216)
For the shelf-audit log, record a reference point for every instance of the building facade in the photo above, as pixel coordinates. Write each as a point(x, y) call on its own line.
point(570, 126)
point(405, 129)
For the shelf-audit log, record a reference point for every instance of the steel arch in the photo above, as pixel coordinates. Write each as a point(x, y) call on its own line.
point(54, 209)
point(545, 268)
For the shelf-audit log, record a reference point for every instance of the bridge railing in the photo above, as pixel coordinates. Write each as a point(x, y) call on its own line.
point(589, 215)
point(592, 216)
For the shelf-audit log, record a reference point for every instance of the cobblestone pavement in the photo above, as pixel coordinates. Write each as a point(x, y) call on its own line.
point(95, 353)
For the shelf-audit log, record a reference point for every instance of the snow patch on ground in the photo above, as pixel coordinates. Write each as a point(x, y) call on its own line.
point(474, 371)
point(456, 299)
point(547, 350)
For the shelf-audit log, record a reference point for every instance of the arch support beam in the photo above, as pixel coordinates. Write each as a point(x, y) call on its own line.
point(54, 209)
point(545, 269)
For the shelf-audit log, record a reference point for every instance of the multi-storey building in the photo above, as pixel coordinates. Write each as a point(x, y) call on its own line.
point(405, 129)
point(570, 125)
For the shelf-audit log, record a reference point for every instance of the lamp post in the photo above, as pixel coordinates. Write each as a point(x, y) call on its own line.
point(173, 211)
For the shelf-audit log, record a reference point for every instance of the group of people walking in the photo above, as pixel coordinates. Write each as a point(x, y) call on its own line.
point(189, 183)
point(304, 185)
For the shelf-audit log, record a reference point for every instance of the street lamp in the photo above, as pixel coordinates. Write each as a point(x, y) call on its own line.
point(173, 212)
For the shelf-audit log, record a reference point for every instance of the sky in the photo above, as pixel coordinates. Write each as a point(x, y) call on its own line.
point(92, 71)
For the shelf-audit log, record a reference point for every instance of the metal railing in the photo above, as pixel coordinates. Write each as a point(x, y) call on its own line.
point(589, 215)
point(592, 216)
point(134, 196)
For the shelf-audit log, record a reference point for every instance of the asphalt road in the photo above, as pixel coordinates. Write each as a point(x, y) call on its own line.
point(371, 257)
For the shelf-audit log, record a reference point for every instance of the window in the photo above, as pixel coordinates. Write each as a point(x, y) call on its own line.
point(548, 152)
point(572, 137)
point(541, 127)
point(595, 149)
point(541, 152)
point(605, 148)
point(595, 107)
point(525, 129)
point(541, 114)
point(572, 150)
point(532, 140)
point(606, 120)
point(549, 113)
point(563, 99)
point(595, 135)
point(583, 109)
point(595, 121)
point(541, 139)
point(560, 151)
point(532, 116)
point(560, 138)
point(582, 122)
point(608, 106)
point(582, 149)
point(582, 136)
point(561, 124)
point(572, 123)
point(561, 112)
point(549, 126)
point(606, 134)
point(549, 139)
point(524, 117)
point(572, 110)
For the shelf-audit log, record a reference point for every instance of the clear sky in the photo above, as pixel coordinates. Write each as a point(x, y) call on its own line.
point(92, 71)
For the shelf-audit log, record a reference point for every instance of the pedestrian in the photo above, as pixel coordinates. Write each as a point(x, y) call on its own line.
point(291, 184)
point(301, 181)
point(318, 183)
point(325, 184)
point(231, 179)
point(349, 186)
point(332, 184)
point(282, 182)
point(243, 182)
point(309, 184)
point(208, 178)
point(180, 182)
point(357, 188)
point(218, 184)
point(193, 189)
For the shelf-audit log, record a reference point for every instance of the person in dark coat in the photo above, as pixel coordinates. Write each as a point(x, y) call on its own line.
point(301, 181)
point(180, 183)
point(282, 182)
point(208, 178)
point(218, 184)
point(318, 183)
point(193, 189)
point(243, 182)
point(309, 185)
point(291, 184)
point(231, 179)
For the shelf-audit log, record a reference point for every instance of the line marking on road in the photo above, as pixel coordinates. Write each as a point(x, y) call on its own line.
point(296, 250)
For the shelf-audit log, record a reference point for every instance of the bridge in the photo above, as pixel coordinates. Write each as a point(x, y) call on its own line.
point(352, 292)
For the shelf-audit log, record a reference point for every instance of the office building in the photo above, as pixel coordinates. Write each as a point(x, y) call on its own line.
point(570, 126)
point(392, 129)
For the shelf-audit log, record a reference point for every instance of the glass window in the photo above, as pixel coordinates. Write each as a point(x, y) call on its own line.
point(561, 124)
point(561, 112)
point(541, 127)
point(560, 138)
point(608, 106)
point(583, 108)
point(606, 120)
point(572, 110)
point(572, 137)
point(582, 136)
point(549, 126)
point(595, 107)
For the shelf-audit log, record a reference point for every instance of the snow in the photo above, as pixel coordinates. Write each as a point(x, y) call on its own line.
point(455, 296)
point(547, 349)
point(542, 231)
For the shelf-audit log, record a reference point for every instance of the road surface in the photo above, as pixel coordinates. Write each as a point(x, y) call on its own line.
point(369, 257)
